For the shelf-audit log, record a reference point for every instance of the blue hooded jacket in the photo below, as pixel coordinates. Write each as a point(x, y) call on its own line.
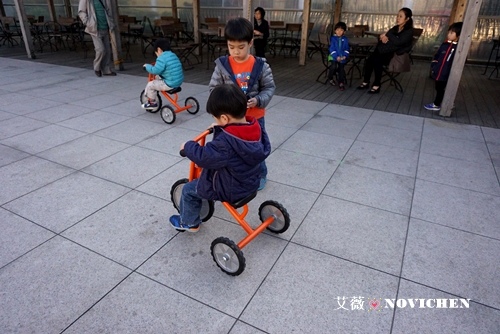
point(339, 47)
point(169, 67)
point(231, 161)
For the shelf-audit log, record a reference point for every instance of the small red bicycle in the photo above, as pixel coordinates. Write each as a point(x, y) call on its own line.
point(226, 254)
point(168, 112)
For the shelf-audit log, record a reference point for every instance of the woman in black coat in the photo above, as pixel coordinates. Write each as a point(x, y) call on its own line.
point(260, 32)
point(397, 40)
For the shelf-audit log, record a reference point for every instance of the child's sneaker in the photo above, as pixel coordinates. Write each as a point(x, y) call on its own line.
point(150, 105)
point(332, 82)
point(341, 86)
point(175, 220)
point(432, 106)
point(262, 184)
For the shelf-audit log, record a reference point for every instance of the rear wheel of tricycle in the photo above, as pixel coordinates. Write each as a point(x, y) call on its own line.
point(144, 99)
point(194, 105)
point(228, 256)
point(207, 207)
point(281, 218)
point(167, 114)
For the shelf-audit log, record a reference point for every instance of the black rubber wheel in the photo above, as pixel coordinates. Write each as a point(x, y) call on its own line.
point(281, 217)
point(227, 255)
point(195, 106)
point(167, 114)
point(144, 99)
point(207, 207)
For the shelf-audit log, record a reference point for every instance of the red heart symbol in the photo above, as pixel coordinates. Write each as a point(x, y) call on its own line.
point(374, 303)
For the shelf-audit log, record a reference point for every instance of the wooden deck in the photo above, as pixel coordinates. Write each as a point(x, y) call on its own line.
point(477, 102)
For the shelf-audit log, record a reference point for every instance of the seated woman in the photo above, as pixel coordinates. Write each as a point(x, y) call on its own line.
point(260, 32)
point(397, 40)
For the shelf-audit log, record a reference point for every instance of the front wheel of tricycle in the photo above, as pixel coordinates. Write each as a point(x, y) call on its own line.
point(207, 207)
point(281, 218)
point(167, 114)
point(228, 256)
point(194, 105)
point(144, 99)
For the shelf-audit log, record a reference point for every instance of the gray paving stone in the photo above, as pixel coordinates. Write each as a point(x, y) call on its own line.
point(455, 207)
point(318, 144)
point(494, 150)
point(294, 169)
point(405, 122)
point(390, 136)
point(384, 158)
point(199, 122)
point(11, 98)
point(453, 130)
point(18, 236)
point(140, 305)
point(9, 155)
point(170, 141)
point(475, 319)
point(455, 147)
point(130, 108)
point(346, 113)
point(128, 167)
point(32, 105)
point(294, 118)
point(458, 173)
point(17, 125)
point(64, 202)
point(310, 107)
point(76, 95)
point(242, 328)
point(302, 280)
point(42, 139)
point(128, 231)
point(491, 135)
point(42, 91)
point(93, 121)
point(278, 134)
point(161, 184)
point(334, 126)
point(188, 255)
point(83, 151)
point(96, 101)
point(26, 175)
point(5, 114)
point(453, 261)
point(56, 292)
point(59, 113)
point(132, 131)
point(371, 187)
point(354, 232)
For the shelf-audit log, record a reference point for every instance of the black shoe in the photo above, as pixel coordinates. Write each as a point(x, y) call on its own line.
point(363, 86)
point(113, 74)
point(98, 73)
point(374, 90)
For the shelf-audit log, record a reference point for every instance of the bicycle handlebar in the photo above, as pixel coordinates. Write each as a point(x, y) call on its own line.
point(198, 138)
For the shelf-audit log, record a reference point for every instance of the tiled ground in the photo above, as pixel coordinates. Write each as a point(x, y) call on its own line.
point(382, 206)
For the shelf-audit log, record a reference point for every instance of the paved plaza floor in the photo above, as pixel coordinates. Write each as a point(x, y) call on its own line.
point(394, 228)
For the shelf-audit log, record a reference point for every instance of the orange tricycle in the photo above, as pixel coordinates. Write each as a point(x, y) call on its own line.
point(227, 254)
point(168, 112)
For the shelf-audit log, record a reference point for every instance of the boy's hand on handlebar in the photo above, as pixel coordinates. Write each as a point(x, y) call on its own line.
point(252, 102)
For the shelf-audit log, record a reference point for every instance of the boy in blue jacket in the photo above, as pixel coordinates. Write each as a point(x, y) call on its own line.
point(339, 52)
point(168, 71)
point(441, 64)
point(230, 162)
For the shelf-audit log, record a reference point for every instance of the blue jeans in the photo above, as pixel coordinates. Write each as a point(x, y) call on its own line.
point(263, 167)
point(190, 205)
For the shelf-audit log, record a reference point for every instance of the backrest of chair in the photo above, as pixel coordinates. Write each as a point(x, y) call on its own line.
point(211, 20)
point(324, 39)
point(363, 27)
point(417, 32)
point(277, 23)
point(355, 32)
point(293, 27)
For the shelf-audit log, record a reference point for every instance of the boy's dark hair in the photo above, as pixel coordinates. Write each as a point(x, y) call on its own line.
point(340, 25)
point(227, 99)
point(456, 28)
point(163, 44)
point(261, 10)
point(239, 29)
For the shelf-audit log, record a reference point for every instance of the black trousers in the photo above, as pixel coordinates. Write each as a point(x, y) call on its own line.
point(339, 68)
point(375, 63)
point(440, 87)
point(260, 47)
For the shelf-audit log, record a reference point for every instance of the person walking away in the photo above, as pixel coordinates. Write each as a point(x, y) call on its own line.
point(98, 18)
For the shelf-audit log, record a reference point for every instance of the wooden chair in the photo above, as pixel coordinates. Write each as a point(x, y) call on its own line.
point(398, 64)
point(291, 39)
point(417, 32)
point(324, 43)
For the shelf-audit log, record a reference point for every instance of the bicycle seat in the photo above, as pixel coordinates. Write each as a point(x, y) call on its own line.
point(243, 201)
point(174, 90)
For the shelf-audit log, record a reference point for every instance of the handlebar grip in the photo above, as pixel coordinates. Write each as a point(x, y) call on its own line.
point(182, 153)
